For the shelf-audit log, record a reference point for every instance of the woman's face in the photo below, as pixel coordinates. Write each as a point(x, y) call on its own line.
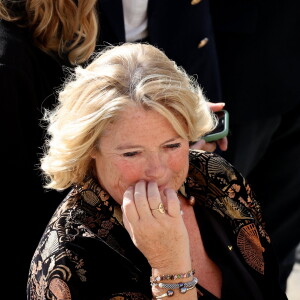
point(141, 145)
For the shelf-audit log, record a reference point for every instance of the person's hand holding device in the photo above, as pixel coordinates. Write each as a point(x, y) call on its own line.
point(219, 135)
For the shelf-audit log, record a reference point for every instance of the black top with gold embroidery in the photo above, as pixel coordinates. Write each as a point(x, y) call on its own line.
point(86, 253)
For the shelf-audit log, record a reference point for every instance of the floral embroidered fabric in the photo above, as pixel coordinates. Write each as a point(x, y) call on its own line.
point(86, 253)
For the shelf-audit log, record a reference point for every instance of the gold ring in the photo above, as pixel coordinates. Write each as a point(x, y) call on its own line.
point(160, 208)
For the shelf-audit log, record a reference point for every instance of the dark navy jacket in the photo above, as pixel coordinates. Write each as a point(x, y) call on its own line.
point(182, 29)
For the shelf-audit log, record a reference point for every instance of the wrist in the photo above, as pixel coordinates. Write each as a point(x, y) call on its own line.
point(172, 268)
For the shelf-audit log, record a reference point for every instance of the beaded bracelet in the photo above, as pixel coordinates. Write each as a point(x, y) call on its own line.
point(172, 277)
point(178, 285)
point(170, 293)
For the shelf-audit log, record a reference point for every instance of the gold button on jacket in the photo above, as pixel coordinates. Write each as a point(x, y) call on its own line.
point(203, 42)
point(194, 2)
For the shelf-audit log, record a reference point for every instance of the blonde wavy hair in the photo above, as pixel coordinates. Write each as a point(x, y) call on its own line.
point(67, 28)
point(130, 75)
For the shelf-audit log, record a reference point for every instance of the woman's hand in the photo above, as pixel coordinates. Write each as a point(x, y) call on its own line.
point(156, 227)
point(211, 146)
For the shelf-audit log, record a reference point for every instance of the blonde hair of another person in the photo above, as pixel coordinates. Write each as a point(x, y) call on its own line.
point(63, 27)
point(131, 75)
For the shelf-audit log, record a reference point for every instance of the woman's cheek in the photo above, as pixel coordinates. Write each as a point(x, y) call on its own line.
point(130, 173)
point(180, 166)
point(122, 175)
point(179, 161)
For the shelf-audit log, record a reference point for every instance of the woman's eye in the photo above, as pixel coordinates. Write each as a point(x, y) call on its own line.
point(130, 154)
point(173, 146)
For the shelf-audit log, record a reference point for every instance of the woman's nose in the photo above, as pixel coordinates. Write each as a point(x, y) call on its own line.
point(155, 166)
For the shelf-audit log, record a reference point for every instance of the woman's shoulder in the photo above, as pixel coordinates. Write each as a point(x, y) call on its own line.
point(216, 177)
point(210, 164)
point(79, 241)
point(204, 155)
point(223, 188)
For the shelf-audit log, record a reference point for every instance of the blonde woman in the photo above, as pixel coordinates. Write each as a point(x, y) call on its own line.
point(146, 218)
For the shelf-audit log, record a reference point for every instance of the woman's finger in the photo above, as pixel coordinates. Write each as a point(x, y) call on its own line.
point(216, 106)
point(223, 143)
point(205, 146)
point(157, 206)
point(172, 202)
point(140, 199)
point(130, 213)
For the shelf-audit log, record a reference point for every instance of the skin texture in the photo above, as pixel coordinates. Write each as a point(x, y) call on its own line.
point(141, 145)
